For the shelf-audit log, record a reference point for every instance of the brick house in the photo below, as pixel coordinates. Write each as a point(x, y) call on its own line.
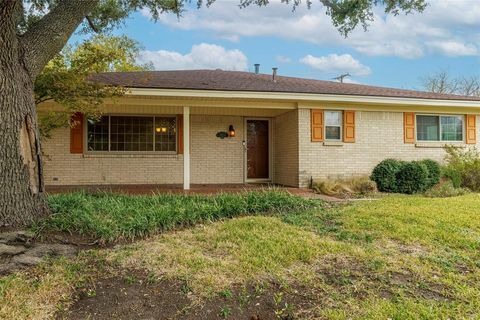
point(226, 127)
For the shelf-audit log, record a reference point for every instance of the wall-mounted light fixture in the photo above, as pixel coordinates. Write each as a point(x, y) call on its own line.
point(229, 134)
point(221, 134)
point(231, 131)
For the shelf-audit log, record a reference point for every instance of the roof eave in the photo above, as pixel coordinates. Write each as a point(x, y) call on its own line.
point(302, 97)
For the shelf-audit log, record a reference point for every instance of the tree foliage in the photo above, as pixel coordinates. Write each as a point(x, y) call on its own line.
point(346, 15)
point(64, 79)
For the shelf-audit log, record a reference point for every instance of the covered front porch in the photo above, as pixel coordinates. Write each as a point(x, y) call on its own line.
point(216, 141)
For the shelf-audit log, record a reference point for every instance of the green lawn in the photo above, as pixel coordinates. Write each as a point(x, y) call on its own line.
point(399, 257)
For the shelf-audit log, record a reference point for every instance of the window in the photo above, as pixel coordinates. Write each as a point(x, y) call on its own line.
point(132, 134)
point(333, 125)
point(439, 128)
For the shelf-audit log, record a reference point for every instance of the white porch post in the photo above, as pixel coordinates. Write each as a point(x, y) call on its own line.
point(186, 148)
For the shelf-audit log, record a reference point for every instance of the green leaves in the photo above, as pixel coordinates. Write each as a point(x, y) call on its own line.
point(109, 217)
point(346, 15)
point(65, 78)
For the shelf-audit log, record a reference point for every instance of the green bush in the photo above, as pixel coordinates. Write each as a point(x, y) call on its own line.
point(434, 172)
point(453, 175)
point(463, 167)
point(412, 177)
point(445, 189)
point(385, 175)
point(109, 217)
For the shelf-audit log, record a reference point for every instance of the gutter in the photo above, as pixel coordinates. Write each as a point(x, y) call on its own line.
point(302, 97)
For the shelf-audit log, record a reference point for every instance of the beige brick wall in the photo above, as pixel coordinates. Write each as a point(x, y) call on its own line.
point(215, 160)
point(286, 149)
point(295, 158)
point(63, 168)
point(379, 135)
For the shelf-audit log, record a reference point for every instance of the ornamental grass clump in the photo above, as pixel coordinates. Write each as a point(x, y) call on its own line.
point(109, 217)
point(346, 188)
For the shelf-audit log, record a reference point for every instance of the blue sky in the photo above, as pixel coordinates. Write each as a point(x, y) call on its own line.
point(395, 51)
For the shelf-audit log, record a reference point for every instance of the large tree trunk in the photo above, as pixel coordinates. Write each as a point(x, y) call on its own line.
point(21, 185)
point(22, 58)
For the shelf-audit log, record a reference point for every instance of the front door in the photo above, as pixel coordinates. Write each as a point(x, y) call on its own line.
point(258, 149)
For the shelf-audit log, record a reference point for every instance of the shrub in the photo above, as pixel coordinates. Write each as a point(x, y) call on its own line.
point(385, 175)
point(453, 175)
point(445, 189)
point(412, 177)
point(345, 187)
point(434, 172)
point(464, 166)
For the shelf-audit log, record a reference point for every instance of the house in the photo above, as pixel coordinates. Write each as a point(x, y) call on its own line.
point(228, 127)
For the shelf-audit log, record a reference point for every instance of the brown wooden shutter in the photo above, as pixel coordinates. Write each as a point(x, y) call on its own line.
point(471, 131)
point(349, 126)
point(409, 127)
point(76, 133)
point(180, 134)
point(317, 125)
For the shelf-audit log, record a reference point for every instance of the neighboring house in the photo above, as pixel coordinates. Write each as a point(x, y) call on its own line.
point(221, 127)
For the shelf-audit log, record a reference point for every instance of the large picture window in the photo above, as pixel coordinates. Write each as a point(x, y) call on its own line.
point(439, 128)
point(333, 125)
point(132, 134)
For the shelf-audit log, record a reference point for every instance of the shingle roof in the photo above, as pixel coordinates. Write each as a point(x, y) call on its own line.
point(247, 81)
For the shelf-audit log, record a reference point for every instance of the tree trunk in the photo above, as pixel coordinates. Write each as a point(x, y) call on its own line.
point(21, 185)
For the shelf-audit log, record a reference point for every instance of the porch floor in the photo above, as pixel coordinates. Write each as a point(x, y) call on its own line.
point(174, 188)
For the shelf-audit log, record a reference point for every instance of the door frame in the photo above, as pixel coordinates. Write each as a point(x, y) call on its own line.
point(270, 151)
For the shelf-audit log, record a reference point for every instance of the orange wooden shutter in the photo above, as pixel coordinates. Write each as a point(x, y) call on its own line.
point(180, 134)
point(409, 127)
point(317, 125)
point(349, 126)
point(471, 129)
point(76, 133)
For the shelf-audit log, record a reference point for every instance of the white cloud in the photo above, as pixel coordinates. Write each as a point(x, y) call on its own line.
point(334, 63)
point(454, 48)
point(202, 56)
point(283, 59)
point(449, 27)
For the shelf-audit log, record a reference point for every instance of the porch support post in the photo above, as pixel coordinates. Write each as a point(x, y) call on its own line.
point(186, 148)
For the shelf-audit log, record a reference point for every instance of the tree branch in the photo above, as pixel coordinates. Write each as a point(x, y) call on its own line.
point(92, 25)
point(48, 36)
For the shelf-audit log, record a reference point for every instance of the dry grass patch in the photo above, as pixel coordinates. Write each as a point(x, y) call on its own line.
point(215, 256)
point(38, 294)
point(346, 188)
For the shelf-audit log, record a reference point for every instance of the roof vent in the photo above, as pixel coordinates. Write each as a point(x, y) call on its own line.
point(257, 68)
point(274, 74)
